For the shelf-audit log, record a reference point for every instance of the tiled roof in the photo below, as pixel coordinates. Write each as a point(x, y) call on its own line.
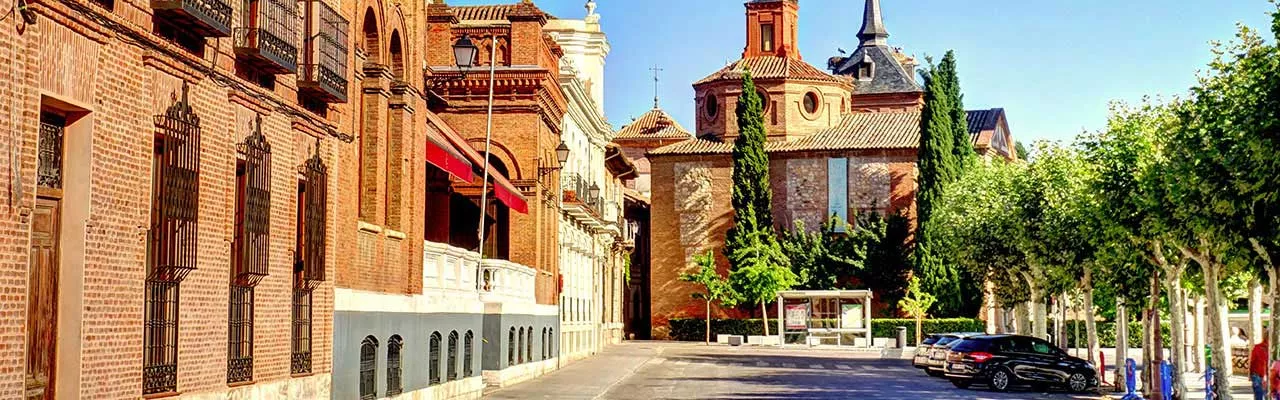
point(492, 12)
point(769, 67)
point(880, 130)
point(858, 131)
point(655, 124)
point(888, 76)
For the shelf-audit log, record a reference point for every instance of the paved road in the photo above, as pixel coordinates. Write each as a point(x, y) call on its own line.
point(663, 370)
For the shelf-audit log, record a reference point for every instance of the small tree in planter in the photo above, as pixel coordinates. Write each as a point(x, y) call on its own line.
point(715, 287)
point(916, 304)
point(761, 271)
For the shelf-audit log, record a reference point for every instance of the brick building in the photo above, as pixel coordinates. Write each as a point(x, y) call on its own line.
point(840, 143)
point(170, 209)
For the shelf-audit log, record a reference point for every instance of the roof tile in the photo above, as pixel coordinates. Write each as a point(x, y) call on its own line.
point(771, 67)
point(655, 124)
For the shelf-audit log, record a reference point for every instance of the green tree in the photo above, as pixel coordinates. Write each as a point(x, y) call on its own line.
point(1021, 150)
point(761, 271)
point(916, 304)
point(715, 288)
point(886, 264)
point(751, 197)
point(938, 167)
point(949, 79)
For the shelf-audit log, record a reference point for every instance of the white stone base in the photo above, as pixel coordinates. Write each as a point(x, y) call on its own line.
point(519, 373)
point(464, 389)
point(308, 387)
point(763, 340)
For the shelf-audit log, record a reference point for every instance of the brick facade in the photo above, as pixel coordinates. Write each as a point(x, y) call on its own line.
point(109, 75)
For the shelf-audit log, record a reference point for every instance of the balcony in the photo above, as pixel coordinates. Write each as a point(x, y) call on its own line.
point(505, 281)
point(448, 268)
point(323, 73)
point(579, 202)
point(206, 18)
point(268, 42)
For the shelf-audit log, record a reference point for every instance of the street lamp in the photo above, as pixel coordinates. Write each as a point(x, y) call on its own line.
point(562, 153)
point(562, 156)
point(593, 191)
point(464, 53)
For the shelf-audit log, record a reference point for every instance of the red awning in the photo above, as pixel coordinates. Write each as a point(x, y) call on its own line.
point(508, 195)
point(444, 156)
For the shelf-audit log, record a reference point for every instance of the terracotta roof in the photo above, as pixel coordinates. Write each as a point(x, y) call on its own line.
point(655, 124)
point(492, 12)
point(880, 130)
point(694, 146)
point(770, 67)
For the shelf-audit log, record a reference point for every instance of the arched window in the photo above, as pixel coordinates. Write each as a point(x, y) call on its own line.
point(466, 353)
point(368, 361)
point(551, 340)
point(520, 350)
point(544, 343)
point(393, 366)
point(452, 369)
point(511, 347)
point(433, 359)
point(528, 344)
point(397, 56)
point(371, 42)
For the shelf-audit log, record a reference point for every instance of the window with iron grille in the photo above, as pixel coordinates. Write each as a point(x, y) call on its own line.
point(393, 366)
point(52, 128)
point(520, 347)
point(544, 343)
point(309, 265)
point(452, 367)
point(323, 73)
point(511, 347)
point(172, 239)
point(240, 335)
point(467, 340)
point(528, 344)
point(551, 340)
point(433, 359)
point(268, 34)
point(251, 243)
point(300, 360)
point(368, 371)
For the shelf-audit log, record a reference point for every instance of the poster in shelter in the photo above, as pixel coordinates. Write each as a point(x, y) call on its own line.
point(797, 316)
point(851, 316)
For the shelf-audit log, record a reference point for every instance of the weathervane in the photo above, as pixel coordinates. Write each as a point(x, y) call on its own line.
point(655, 70)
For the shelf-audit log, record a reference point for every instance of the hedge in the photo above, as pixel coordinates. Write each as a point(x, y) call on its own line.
point(694, 329)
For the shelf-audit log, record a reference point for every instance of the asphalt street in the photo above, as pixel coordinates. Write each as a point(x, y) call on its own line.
point(665, 370)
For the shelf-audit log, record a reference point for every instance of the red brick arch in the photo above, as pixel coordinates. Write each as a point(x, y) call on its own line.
point(501, 153)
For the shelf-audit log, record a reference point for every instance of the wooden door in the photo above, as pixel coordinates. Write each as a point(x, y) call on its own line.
point(42, 301)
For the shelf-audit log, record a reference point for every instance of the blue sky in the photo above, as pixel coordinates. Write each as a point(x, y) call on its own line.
point(1052, 64)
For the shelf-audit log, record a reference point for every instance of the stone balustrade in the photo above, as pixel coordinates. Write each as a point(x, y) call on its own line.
point(447, 267)
point(503, 281)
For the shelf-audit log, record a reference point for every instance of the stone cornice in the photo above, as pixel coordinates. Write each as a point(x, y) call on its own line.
point(584, 112)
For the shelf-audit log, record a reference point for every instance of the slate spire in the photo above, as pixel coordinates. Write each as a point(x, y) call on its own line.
point(873, 32)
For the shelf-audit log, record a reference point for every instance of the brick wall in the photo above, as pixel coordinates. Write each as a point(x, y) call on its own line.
point(113, 87)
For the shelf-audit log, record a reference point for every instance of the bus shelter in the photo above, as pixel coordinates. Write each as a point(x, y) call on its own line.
point(818, 317)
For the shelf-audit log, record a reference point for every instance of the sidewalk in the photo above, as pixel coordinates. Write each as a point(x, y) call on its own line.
point(586, 378)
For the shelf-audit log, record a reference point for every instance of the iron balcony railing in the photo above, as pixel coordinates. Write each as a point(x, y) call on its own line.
point(578, 190)
point(323, 73)
point(207, 18)
point(268, 36)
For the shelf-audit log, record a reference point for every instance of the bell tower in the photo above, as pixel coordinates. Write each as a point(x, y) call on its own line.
point(772, 28)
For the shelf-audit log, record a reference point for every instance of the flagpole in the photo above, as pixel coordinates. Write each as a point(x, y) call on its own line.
point(488, 140)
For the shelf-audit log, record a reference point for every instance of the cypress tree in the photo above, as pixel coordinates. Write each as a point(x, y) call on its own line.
point(938, 166)
point(751, 196)
point(949, 76)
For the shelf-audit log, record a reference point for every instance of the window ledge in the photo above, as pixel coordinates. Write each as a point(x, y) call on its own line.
point(245, 383)
point(162, 395)
point(394, 234)
point(367, 227)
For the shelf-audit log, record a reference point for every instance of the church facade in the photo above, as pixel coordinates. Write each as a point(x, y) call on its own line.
point(840, 143)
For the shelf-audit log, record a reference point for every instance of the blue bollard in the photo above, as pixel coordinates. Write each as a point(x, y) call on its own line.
point(1166, 380)
point(1131, 380)
point(1209, 385)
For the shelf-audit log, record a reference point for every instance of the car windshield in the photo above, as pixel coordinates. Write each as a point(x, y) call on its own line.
point(970, 345)
point(930, 340)
point(944, 340)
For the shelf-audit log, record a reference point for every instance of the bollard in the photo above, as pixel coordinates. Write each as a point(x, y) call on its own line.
point(1209, 392)
point(902, 337)
point(1131, 380)
point(1166, 380)
point(1102, 367)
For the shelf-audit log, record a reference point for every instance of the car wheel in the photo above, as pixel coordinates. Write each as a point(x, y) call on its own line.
point(961, 383)
point(1000, 380)
point(1077, 382)
point(933, 373)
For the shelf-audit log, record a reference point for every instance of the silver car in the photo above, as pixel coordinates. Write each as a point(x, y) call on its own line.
point(938, 352)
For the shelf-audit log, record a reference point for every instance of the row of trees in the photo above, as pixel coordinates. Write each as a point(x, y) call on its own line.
point(1174, 200)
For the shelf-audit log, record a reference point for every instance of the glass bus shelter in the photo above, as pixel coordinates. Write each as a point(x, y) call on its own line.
point(825, 317)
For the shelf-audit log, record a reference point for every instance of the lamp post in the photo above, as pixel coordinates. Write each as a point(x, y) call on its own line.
point(464, 53)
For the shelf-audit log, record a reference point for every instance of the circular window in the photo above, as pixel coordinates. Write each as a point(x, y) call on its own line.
point(811, 102)
point(711, 105)
point(764, 100)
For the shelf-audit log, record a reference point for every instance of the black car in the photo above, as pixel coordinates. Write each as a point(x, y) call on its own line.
point(1001, 361)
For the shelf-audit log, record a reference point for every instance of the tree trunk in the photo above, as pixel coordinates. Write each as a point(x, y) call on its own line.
point(1177, 326)
point(1201, 330)
point(1062, 321)
point(1022, 318)
point(1039, 323)
point(708, 322)
point(919, 328)
point(1217, 331)
point(765, 312)
point(1090, 326)
point(1122, 344)
point(1255, 310)
point(989, 306)
point(1156, 349)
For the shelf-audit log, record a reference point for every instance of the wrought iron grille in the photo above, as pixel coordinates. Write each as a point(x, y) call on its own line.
point(578, 189)
point(325, 55)
point(452, 360)
point(433, 359)
point(175, 194)
point(52, 127)
point(160, 338)
point(300, 360)
point(543, 347)
point(368, 371)
point(253, 206)
point(269, 30)
point(393, 366)
point(511, 347)
point(467, 340)
point(240, 335)
point(528, 344)
point(315, 189)
point(520, 347)
point(551, 341)
point(201, 17)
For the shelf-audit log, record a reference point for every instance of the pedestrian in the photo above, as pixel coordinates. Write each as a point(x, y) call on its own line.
point(1258, 368)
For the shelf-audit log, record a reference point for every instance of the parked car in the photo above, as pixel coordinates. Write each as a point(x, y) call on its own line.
point(921, 357)
point(938, 351)
point(1001, 361)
